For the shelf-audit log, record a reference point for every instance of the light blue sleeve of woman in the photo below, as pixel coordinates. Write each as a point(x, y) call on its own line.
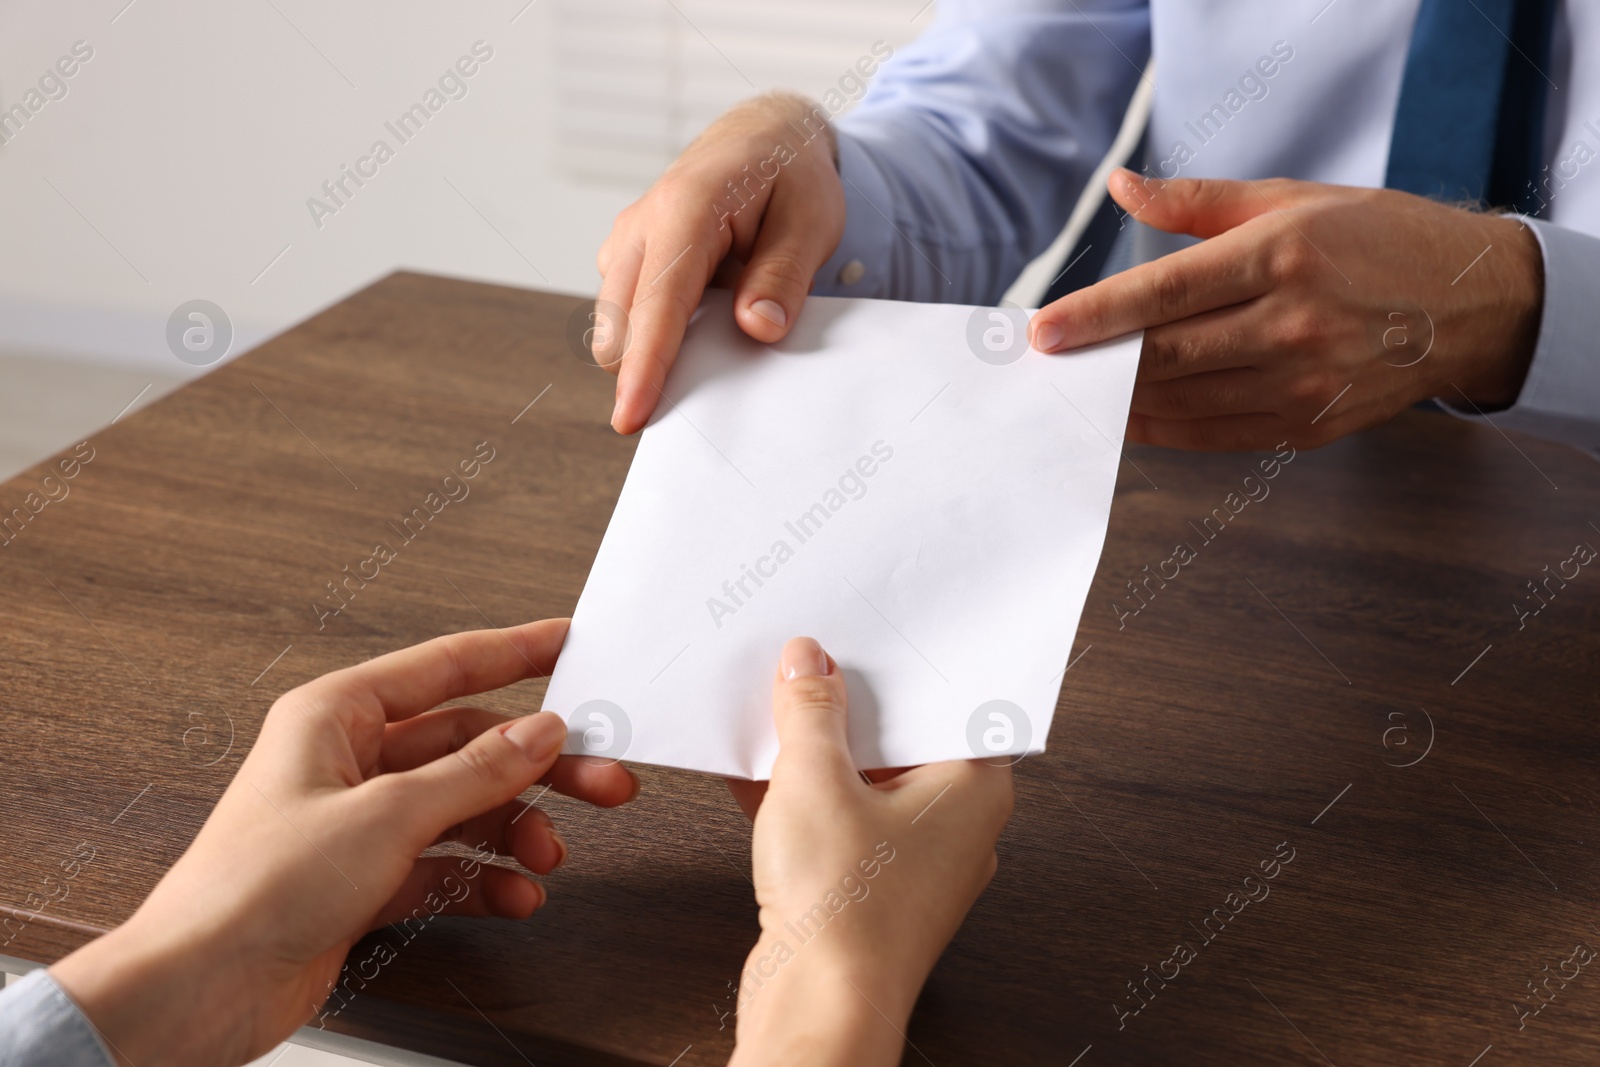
point(40, 1026)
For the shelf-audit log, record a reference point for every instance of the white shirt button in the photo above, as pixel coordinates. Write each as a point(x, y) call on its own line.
point(852, 272)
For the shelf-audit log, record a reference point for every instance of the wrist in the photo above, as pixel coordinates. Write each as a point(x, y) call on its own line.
point(1510, 296)
point(153, 997)
point(809, 1005)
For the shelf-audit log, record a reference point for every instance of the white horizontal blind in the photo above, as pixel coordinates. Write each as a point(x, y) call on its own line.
point(637, 80)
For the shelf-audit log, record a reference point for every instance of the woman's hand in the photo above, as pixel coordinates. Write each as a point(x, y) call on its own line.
point(860, 885)
point(317, 841)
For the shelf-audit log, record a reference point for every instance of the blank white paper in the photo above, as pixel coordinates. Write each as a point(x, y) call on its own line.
point(910, 484)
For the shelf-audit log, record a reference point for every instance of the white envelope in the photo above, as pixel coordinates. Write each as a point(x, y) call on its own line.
point(910, 484)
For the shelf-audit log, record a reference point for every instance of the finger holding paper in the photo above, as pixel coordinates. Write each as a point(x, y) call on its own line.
point(759, 192)
point(889, 869)
point(319, 838)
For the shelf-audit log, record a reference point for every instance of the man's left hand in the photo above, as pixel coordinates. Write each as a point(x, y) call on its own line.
point(1310, 312)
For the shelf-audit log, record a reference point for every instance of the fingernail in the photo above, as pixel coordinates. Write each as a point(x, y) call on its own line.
point(561, 845)
point(539, 736)
point(1047, 338)
point(616, 409)
point(804, 658)
point(772, 311)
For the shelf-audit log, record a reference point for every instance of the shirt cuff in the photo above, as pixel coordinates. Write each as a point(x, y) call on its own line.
point(860, 265)
point(1560, 397)
point(40, 1025)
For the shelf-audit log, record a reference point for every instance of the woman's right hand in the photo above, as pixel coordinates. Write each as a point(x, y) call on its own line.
point(860, 885)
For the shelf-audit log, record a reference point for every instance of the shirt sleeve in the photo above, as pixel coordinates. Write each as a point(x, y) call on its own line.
point(972, 145)
point(40, 1026)
point(1560, 398)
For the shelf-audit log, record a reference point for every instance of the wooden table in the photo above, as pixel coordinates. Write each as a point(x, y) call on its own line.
point(1341, 669)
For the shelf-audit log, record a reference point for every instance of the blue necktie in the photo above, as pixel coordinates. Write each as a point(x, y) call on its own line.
point(1470, 119)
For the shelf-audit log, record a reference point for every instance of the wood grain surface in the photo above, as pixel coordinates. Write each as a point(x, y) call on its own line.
point(1340, 674)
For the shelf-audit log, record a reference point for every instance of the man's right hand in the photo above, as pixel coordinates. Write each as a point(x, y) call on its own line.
point(757, 202)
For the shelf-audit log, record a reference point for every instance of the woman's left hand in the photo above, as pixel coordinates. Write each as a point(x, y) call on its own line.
point(318, 840)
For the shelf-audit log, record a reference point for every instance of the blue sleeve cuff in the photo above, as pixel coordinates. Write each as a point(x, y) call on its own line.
point(40, 1026)
point(1560, 398)
point(860, 265)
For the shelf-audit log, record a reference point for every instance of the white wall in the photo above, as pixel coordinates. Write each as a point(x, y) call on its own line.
point(179, 162)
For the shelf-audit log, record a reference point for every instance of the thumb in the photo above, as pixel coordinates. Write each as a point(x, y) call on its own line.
point(488, 771)
point(794, 241)
point(1201, 207)
point(808, 707)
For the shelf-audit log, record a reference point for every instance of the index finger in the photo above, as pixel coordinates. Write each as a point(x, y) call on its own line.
point(672, 278)
point(413, 680)
point(1213, 274)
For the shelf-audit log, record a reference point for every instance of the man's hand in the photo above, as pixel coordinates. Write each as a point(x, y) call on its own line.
point(756, 201)
point(317, 841)
point(1311, 311)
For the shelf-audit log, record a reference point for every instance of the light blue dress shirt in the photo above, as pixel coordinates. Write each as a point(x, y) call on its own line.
point(40, 1026)
point(973, 143)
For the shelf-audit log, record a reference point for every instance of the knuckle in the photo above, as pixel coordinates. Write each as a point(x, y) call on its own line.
point(1149, 401)
point(682, 303)
point(1226, 398)
point(1208, 194)
point(1170, 288)
point(627, 223)
point(1094, 316)
point(812, 694)
point(1303, 391)
point(1187, 399)
point(669, 188)
point(483, 764)
point(1318, 388)
point(1162, 354)
point(456, 674)
point(786, 268)
point(461, 734)
point(1172, 400)
point(1162, 433)
point(1290, 257)
point(1090, 311)
point(1300, 326)
point(1220, 434)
